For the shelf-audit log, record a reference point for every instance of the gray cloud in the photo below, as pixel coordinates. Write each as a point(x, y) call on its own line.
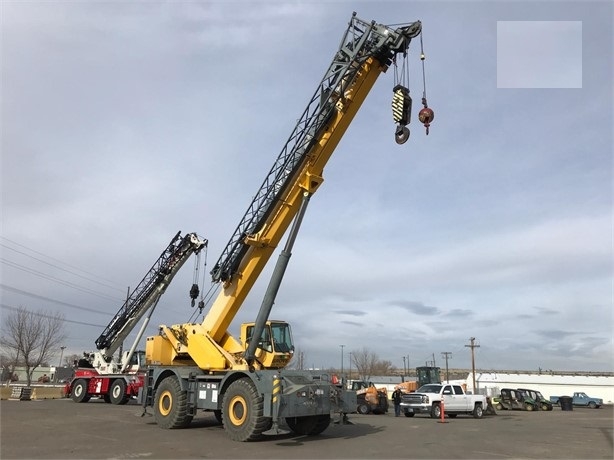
point(351, 312)
point(417, 308)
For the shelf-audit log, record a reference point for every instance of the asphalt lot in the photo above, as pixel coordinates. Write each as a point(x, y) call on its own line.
point(60, 428)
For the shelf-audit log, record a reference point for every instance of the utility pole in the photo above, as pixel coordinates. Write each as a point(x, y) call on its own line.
point(446, 355)
point(342, 346)
point(404, 368)
point(473, 346)
point(350, 377)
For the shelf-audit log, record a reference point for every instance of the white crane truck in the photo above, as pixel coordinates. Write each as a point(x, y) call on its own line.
point(117, 379)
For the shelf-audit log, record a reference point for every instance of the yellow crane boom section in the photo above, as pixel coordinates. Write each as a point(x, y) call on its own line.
point(209, 345)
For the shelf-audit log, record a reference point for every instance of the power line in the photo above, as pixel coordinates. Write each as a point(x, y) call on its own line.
point(98, 277)
point(93, 280)
point(57, 280)
point(48, 299)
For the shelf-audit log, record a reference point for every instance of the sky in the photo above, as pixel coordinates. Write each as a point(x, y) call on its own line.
point(125, 122)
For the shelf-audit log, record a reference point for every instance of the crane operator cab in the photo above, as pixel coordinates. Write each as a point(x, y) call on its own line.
point(275, 348)
point(136, 363)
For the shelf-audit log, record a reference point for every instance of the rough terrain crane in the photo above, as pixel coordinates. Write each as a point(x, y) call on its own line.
point(201, 366)
point(116, 380)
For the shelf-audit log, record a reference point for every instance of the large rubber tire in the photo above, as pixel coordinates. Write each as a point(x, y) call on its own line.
point(363, 409)
point(436, 411)
point(529, 407)
point(478, 412)
point(117, 392)
point(79, 391)
point(171, 405)
point(218, 416)
point(310, 425)
point(242, 413)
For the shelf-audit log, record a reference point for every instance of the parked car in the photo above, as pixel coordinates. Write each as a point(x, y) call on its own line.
point(542, 402)
point(580, 399)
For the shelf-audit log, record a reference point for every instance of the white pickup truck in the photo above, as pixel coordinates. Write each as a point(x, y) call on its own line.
point(427, 400)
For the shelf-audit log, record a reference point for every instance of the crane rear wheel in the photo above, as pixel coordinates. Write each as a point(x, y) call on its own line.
point(117, 392)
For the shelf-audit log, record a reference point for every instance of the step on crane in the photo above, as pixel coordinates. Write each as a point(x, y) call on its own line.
point(244, 381)
point(100, 373)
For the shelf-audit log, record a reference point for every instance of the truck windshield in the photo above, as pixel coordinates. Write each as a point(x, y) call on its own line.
point(429, 389)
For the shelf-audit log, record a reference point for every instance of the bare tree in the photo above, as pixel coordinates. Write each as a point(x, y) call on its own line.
point(31, 337)
point(368, 364)
point(365, 362)
point(383, 367)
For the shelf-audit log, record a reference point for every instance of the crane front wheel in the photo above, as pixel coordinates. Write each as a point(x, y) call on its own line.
point(242, 413)
point(171, 405)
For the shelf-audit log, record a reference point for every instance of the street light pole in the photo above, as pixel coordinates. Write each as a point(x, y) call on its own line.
point(350, 377)
point(342, 346)
point(61, 355)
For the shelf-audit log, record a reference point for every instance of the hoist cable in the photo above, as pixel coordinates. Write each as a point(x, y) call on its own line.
point(423, 58)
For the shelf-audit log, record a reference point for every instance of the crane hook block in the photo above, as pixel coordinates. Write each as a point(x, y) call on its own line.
point(194, 291)
point(426, 116)
point(401, 134)
point(401, 105)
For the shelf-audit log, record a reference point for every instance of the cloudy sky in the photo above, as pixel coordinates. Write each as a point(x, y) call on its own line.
point(123, 123)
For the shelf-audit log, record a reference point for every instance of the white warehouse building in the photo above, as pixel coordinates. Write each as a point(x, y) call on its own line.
point(597, 386)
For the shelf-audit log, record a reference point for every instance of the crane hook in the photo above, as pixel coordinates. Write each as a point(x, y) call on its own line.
point(426, 115)
point(401, 134)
